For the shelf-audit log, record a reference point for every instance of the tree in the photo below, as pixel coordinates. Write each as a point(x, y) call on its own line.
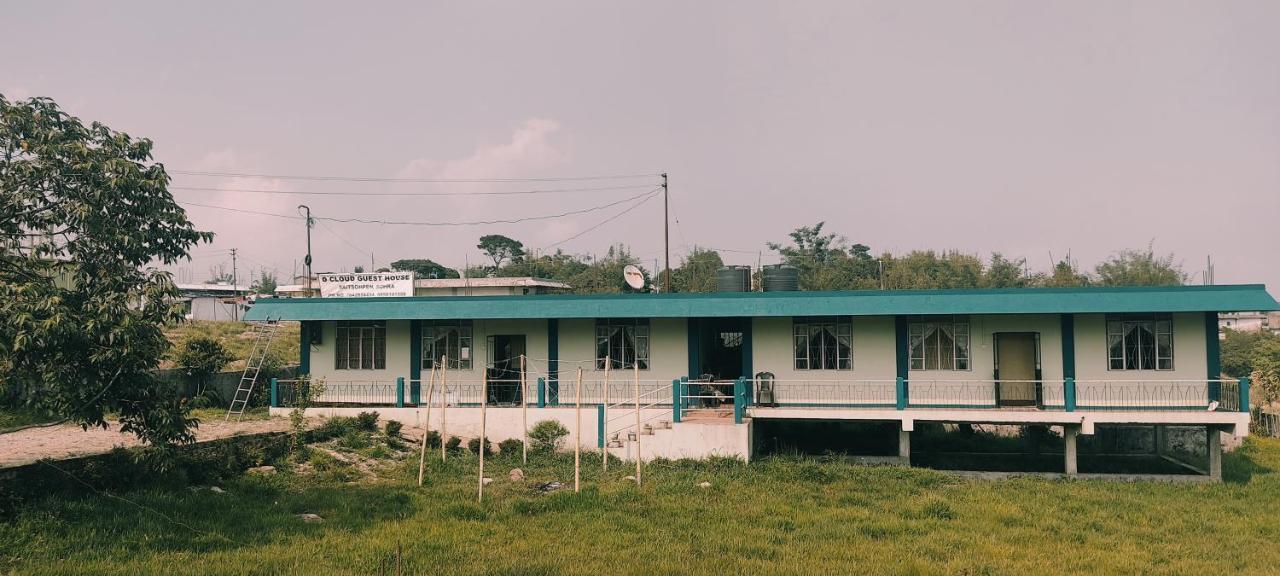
point(697, 272)
point(219, 275)
point(1242, 351)
point(266, 282)
point(358, 269)
point(827, 261)
point(424, 268)
point(1005, 273)
point(501, 249)
point(1138, 268)
point(926, 269)
point(1066, 274)
point(82, 310)
point(200, 358)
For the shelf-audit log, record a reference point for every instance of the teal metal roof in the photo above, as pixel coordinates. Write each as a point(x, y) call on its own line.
point(1223, 298)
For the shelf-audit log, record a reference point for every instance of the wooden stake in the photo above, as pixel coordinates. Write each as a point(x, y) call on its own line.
point(524, 412)
point(637, 373)
point(577, 435)
point(444, 406)
point(426, 428)
point(604, 442)
point(484, 402)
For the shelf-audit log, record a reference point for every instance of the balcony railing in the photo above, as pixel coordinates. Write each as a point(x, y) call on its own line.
point(1060, 395)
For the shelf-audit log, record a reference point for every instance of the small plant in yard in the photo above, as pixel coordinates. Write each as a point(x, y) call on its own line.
point(392, 428)
point(510, 447)
point(453, 443)
point(200, 358)
point(433, 439)
point(354, 440)
point(546, 435)
point(367, 421)
point(305, 390)
point(473, 446)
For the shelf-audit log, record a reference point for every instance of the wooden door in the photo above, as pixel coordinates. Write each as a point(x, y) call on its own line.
point(1017, 370)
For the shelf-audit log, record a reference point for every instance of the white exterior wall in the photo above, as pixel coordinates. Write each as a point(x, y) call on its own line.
point(1182, 386)
point(668, 350)
point(874, 363)
point(380, 383)
point(974, 386)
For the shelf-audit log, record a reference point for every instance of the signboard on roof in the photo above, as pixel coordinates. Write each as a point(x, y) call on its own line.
point(375, 285)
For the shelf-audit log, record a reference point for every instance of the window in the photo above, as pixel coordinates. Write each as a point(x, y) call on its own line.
point(823, 343)
point(1139, 342)
point(448, 338)
point(625, 341)
point(361, 346)
point(939, 343)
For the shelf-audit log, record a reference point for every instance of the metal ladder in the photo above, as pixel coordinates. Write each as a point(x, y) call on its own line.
point(263, 334)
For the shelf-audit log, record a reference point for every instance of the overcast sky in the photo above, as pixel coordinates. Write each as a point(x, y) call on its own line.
point(1027, 128)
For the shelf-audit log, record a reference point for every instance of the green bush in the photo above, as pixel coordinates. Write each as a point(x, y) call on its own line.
point(200, 358)
point(333, 428)
point(510, 446)
point(473, 445)
point(367, 421)
point(392, 428)
point(433, 439)
point(546, 435)
point(354, 440)
point(452, 443)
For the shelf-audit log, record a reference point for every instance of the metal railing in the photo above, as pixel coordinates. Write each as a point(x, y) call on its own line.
point(1154, 395)
point(697, 395)
point(564, 393)
point(1266, 424)
point(817, 393)
point(621, 416)
point(354, 392)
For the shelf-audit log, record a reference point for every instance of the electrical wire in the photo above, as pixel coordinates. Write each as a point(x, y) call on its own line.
point(650, 193)
point(602, 223)
point(489, 193)
point(420, 180)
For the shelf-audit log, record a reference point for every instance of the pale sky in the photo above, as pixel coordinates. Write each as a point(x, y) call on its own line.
point(1027, 128)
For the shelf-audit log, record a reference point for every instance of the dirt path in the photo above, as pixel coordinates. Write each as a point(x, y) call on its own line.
point(67, 440)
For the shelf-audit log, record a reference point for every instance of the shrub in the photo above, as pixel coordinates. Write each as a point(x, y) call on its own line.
point(392, 428)
point(433, 439)
point(510, 446)
point(334, 427)
point(452, 443)
point(354, 440)
point(367, 421)
point(473, 445)
point(200, 358)
point(546, 435)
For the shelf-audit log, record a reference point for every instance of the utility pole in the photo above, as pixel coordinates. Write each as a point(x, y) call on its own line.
point(235, 289)
point(666, 232)
point(307, 261)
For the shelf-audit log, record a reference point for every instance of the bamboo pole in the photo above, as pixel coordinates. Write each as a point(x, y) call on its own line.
point(484, 403)
point(444, 406)
point(637, 373)
point(524, 412)
point(604, 442)
point(577, 433)
point(426, 428)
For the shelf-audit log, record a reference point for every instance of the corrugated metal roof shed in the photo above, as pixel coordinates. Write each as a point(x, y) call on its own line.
point(1222, 298)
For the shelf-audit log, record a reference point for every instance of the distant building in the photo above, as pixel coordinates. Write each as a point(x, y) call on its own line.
point(214, 302)
point(517, 286)
point(1250, 322)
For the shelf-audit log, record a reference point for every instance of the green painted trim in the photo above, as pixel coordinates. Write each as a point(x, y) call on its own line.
point(1069, 394)
point(1213, 298)
point(1068, 326)
point(600, 426)
point(694, 338)
point(747, 359)
point(677, 390)
point(1212, 355)
point(739, 399)
point(304, 345)
point(1243, 387)
point(542, 392)
point(400, 392)
point(902, 346)
point(415, 361)
point(900, 393)
point(275, 393)
point(553, 361)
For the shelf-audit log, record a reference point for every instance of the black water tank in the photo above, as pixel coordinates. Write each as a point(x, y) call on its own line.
point(780, 278)
point(733, 279)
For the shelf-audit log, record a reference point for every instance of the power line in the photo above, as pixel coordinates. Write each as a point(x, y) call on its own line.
point(440, 223)
point(605, 221)
point(344, 239)
point(422, 180)
point(489, 193)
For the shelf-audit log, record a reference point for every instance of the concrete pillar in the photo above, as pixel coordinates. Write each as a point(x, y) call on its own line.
point(1069, 434)
point(1161, 436)
point(1213, 437)
point(904, 446)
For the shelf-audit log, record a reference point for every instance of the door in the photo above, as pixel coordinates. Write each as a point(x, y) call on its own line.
point(1017, 368)
point(503, 368)
point(722, 347)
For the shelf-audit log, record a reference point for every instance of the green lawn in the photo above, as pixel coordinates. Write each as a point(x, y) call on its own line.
point(783, 515)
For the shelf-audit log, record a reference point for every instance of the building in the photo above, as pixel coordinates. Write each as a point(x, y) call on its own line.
point(1250, 322)
point(517, 286)
point(708, 367)
point(214, 302)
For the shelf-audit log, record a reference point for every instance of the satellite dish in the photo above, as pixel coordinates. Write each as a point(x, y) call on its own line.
point(633, 276)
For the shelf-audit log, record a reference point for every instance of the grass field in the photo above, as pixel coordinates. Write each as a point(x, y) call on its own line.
point(783, 515)
point(237, 337)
